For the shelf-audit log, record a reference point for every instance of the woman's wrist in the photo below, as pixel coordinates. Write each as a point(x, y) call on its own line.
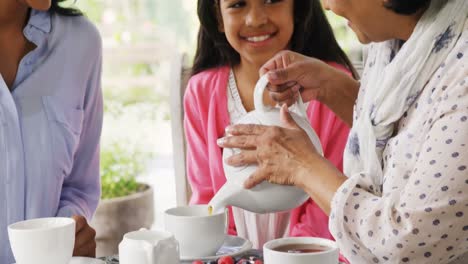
point(339, 93)
point(336, 82)
point(305, 174)
point(320, 179)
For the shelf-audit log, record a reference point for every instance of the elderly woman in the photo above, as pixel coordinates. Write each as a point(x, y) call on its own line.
point(404, 195)
point(50, 117)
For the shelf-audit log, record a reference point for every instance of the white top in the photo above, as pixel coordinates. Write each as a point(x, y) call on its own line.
point(257, 228)
point(422, 214)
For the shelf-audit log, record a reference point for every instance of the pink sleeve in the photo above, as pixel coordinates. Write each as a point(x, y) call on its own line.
point(333, 136)
point(198, 172)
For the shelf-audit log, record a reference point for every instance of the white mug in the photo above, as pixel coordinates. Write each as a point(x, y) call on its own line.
point(149, 247)
point(199, 234)
point(327, 251)
point(42, 240)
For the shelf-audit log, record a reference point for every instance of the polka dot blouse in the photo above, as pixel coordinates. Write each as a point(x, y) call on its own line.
point(422, 215)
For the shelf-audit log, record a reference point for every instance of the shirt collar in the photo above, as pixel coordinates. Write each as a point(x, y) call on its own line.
point(40, 20)
point(38, 27)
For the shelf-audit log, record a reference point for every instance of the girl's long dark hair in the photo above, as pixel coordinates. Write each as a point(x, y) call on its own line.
point(56, 8)
point(312, 36)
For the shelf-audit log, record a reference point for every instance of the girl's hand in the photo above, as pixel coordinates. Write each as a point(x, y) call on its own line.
point(282, 153)
point(290, 72)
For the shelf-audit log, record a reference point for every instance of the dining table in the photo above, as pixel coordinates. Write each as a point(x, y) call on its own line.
point(248, 257)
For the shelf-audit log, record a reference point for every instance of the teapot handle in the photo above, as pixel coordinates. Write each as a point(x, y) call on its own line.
point(258, 98)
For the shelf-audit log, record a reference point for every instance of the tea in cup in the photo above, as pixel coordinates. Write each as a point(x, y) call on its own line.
point(199, 232)
point(149, 247)
point(42, 240)
point(301, 250)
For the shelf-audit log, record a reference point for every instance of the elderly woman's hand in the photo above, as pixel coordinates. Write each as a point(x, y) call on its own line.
point(282, 153)
point(290, 72)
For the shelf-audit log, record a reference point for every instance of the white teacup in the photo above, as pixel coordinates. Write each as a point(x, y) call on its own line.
point(42, 240)
point(301, 251)
point(149, 247)
point(199, 234)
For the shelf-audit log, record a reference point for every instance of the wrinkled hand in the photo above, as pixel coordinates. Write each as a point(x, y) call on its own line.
point(85, 243)
point(290, 72)
point(281, 152)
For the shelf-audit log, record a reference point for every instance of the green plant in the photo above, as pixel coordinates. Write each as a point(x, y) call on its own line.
point(120, 164)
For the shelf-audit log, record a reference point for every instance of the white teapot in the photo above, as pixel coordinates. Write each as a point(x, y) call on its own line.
point(149, 247)
point(265, 197)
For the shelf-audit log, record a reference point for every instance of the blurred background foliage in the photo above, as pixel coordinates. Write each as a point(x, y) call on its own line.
point(119, 165)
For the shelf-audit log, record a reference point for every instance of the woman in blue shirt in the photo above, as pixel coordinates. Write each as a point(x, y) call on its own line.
point(50, 117)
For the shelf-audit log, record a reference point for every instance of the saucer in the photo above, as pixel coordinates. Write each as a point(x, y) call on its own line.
point(84, 260)
point(233, 246)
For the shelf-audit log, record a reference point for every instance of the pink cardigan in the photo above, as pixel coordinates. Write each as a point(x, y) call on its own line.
point(206, 116)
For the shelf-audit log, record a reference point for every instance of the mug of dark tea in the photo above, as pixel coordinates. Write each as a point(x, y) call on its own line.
point(301, 250)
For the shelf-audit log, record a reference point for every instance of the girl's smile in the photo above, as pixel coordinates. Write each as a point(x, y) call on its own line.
point(257, 29)
point(259, 40)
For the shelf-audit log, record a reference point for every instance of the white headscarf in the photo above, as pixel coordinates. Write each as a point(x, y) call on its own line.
point(391, 83)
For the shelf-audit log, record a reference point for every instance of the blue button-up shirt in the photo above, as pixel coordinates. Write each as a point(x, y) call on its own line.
point(50, 125)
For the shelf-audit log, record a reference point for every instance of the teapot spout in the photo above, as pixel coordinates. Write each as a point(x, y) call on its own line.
point(229, 194)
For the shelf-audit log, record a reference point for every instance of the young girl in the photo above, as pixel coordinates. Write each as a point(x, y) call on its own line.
point(236, 38)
